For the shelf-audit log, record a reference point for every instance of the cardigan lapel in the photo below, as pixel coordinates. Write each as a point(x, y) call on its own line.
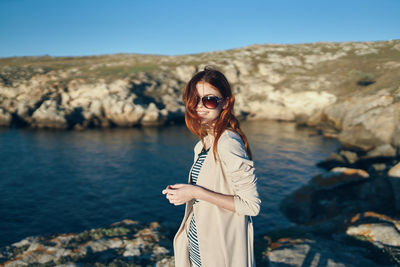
point(203, 179)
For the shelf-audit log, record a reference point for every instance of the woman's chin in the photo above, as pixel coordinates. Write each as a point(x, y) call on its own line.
point(207, 123)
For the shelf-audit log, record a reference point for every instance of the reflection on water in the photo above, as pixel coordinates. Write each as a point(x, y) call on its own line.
point(69, 181)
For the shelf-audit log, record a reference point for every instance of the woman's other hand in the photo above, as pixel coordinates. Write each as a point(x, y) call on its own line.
point(179, 194)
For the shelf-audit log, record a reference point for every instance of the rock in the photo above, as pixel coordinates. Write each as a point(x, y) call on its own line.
point(270, 75)
point(263, 102)
point(351, 157)
point(315, 59)
point(96, 108)
point(285, 60)
point(307, 83)
point(379, 230)
point(231, 73)
point(166, 262)
point(380, 233)
point(123, 243)
point(332, 161)
point(301, 119)
point(49, 115)
point(153, 116)
point(358, 138)
point(122, 113)
point(316, 252)
point(395, 171)
point(338, 177)
point(394, 178)
point(185, 73)
point(337, 194)
point(385, 150)
point(131, 115)
point(5, 118)
point(379, 167)
point(17, 263)
point(365, 122)
point(396, 135)
point(303, 102)
point(297, 206)
point(69, 264)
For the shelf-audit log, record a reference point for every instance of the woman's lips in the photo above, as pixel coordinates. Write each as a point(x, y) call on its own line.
point(202, 113)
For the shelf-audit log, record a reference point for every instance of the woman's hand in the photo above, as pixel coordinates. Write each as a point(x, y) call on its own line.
point(179, 194)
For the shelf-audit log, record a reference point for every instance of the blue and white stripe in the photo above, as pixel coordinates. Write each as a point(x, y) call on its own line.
point(194, 252)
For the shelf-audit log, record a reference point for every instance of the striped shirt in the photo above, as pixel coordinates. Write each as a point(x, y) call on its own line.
point(194, 252)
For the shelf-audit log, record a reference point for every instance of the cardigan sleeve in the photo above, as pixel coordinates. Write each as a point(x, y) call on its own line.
point(240, 170)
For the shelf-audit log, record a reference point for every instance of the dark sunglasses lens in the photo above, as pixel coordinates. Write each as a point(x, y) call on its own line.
point(210, 102)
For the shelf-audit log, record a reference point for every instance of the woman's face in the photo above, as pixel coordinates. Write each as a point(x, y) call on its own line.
point(209, 115)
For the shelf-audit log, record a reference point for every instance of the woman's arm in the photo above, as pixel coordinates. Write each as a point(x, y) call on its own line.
point(240, 170)
point(179, 194)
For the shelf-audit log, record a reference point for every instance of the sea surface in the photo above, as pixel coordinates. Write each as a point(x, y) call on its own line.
point(71, 181)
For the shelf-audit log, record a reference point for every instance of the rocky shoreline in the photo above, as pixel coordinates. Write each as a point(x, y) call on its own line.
point(347, 216)
point(348, 91)
point(125, 243)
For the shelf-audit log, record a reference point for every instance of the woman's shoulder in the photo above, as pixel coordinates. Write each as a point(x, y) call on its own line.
point(230, 136)
point(231, 147)
point(231, 141)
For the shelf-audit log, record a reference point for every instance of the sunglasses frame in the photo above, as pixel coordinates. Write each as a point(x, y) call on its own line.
point(203, 101)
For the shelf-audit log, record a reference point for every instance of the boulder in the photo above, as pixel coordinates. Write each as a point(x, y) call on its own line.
point(316, 251)
point(365, 121)
point(380, 231)
point(385, 150)
point(129, 116)
point(337, 194)
point(377, 233)
point(357, 137)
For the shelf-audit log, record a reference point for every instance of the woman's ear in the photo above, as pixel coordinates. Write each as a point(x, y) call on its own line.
point(226, 103)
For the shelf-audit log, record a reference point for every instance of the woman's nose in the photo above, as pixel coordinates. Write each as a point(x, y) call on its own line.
point(199, 103)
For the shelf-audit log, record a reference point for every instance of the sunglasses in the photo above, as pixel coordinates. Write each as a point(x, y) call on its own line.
point(209, 101)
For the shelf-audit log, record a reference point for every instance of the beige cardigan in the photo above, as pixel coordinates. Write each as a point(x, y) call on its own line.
point(225, 237)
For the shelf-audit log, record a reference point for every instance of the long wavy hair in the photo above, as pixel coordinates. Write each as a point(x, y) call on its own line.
point(226, 118)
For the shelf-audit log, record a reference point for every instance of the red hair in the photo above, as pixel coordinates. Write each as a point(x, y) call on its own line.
point(226, 118)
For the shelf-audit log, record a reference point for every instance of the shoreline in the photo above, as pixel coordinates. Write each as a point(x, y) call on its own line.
point(347, 91)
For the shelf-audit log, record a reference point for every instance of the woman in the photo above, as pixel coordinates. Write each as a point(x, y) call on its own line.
point(221, 196)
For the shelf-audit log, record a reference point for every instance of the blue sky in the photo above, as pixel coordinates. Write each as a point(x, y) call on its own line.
point(168, 27)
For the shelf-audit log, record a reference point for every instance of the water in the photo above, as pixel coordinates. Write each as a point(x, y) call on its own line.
point(70, 181)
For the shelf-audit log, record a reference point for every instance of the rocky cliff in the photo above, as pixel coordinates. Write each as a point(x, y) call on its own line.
point(348, 90)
